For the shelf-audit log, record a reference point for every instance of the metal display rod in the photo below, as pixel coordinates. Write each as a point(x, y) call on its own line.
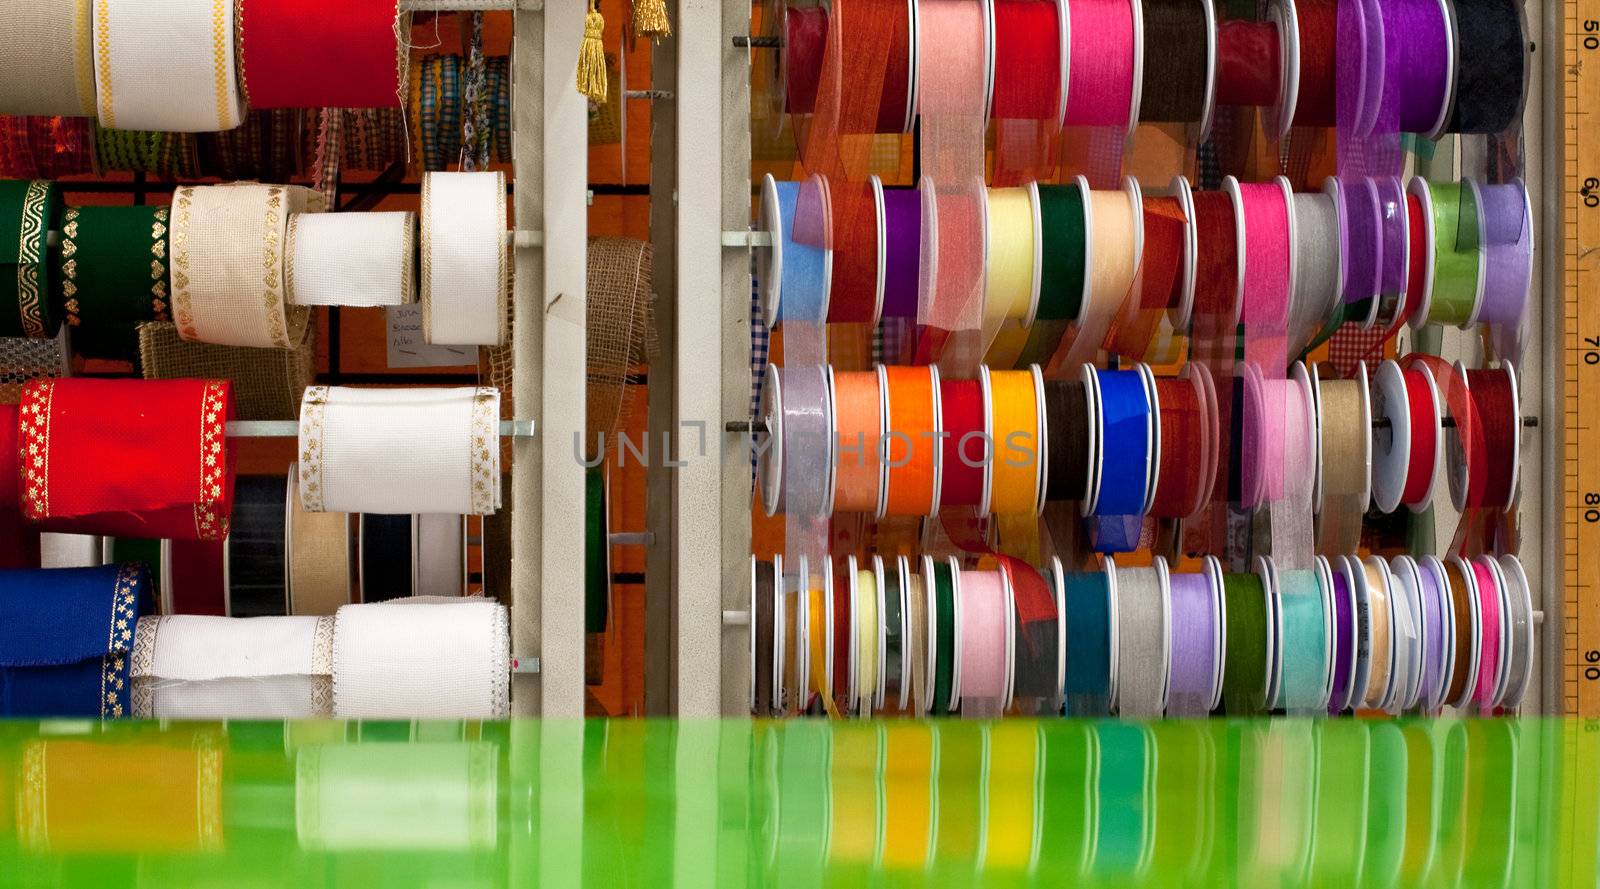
point(291, 428)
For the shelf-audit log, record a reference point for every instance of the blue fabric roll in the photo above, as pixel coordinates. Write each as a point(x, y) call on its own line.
point(66, 639)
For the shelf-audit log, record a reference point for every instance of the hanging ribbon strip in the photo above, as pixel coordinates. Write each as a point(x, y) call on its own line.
point(28, 210)
point(351, 259)
point(422, 658)
point(400, 451)
point(228, 282)
point(189, 42)
point(137, 458)
point(68, 633)
point(305, 54)
point(466, 267)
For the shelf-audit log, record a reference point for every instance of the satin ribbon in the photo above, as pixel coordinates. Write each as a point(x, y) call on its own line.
point(859, 467)
point(305, 54)
point(1303, 687)
point(913, 399)
point(1089, 629)
point(466, 265)
point(28, 210)
point(1014, 418)
point(135, 458)
point(1244, 678)
point(1143, 640)
point(190, 42)
point(984, 670)
point(1194, 641)
point(1486, 684)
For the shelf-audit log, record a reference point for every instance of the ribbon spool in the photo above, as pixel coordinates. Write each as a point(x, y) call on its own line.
point(1280, 115)
point(759, 691)
point(865, 597)
point(1491, 59)
point(1144, 639)
point(1438, 623)
point(769, 450)
point(386, 559)
point(796, 275)
point(1484, 474)
point(842, 651)
point(1408, 448)
point(913, 466)
point(1520, 632)
point(1488, 685)
point(1375, 651)
point(1247, 681)
point(1057, 576)
point(1411, 648)
point(1115, 220)
point(1073, 438)
point(1424, 39)
point(1016, 426)
point(901, 251)
point(1091, 642)
point(1359, 218)
point(967, 451)
point(1064, 261)
point(1506, 222)
point(1103, 77)
point(1157, 306)
point(988, 643)
point(855, 288)
point(1462, 589)
point(1189, 438)
point(1266, 237)
point(799, 412)
point(1252, 58)
point(944, 619)
point(1180, 64)
point(1199, 631)
point(1317, 267)
point(1303, 601)
point(819, 636)
point(1014, 258)
point(796, 626)
point(1452, 282)
point(859, 413)
point(1031, 52)
point(895, 642)
point(1315, 96)
point(1345, 626)
point(1123, 410)
point(1344, 464)
point(780, 635)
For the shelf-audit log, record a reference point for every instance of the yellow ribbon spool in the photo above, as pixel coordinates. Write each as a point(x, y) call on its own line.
point(1015, 462)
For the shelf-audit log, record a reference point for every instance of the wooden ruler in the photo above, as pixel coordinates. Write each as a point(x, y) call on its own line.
point(1581, 337)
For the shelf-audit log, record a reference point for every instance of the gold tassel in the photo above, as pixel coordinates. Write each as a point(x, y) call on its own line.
point(592, 57)
point(650, 19)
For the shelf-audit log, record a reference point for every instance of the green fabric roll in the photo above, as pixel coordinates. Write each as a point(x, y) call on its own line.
point(1244, 675)
point(597, 553)
point(1061, 219)
point(1455, 254)
point(945, 643)
point(28, 209)
point(113, 267)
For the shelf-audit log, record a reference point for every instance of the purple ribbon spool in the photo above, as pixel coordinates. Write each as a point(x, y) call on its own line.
point(1393, 226)
point(1433, 640)
point(1193, 658)
point(1419, 39)
point(902, 218)
point(1507, 241)
point(1344, 641)
point(1360, 221)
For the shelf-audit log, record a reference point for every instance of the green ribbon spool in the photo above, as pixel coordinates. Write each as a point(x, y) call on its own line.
point(28, 210)
point(1455, 254)
point(114, 266)
point(1065, 234)
point(596, 553)
point(1244, 676)
point(945, 594)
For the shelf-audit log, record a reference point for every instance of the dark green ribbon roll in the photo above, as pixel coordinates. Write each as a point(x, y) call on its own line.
point(113, 266)
point(945, 594)
point(28, 209)
point(1088, 600)
point(1244, 675)
point(1061, 220)
point(596, 553)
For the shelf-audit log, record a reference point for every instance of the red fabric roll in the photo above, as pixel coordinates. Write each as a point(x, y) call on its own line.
point(198, 577)
point(319, 54)
point(130, 458)
point(19, 543)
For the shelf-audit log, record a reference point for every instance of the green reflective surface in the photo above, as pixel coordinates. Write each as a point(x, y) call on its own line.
point(801, 803)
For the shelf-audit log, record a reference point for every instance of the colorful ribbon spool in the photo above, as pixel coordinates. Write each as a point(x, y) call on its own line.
point(1190, 439)
point(1144, 639)
point(818, 588)
point(1317, 266)
point(1488, 684)
point(1124, 412)
point(1452, 283)
point(902, 249)
point(1360, 219)
point(1199, 633)
point(1345, 634)
point(1506, 223)
point(1462, 589)
point(1491, 59)
point(859, 415)
point(1519, 622)
point(987, 643)
point(1408, 448)
point(1115, 221)
point(1030, 60)
point(912, 484)
point(1103, 75)
point(855, 289)
point(794, 469)
point(1304, 634)
point(1179, 52)
point(866, 632)
point(1064, 261)
point(1156, 309)
point(1344, 471)
point(1375, 651)
point(1413, 626)
point(1015, 255)
point(1483, 471)
point(968, 450)
point(1016, 425)
point(796, 271)
point(1091, 642)
point(1247, 673)
point(763, 589)
point(1438, 637)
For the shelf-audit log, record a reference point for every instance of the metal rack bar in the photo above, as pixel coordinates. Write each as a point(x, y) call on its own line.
point(291, 428)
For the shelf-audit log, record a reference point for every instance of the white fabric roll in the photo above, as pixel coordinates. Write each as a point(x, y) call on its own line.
point(227, 244)
point(440, 561)
point(466, 271)
point(351, 259)
point(47, 59)
point(166, 65)
point(352, 797)
point(400, 451)
point(422, 658)
point(194, 667)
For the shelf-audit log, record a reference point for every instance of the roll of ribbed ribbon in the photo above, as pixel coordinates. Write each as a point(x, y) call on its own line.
point(1116, 233)
point(466, 266)
point(1196, 644)
point(318, 555)
point(52, 43)
point(28, 210)
point(1144, 641)
point(347, 798)
point(400, 450)
point(1014, 421)
point(1090, 625)
point(305, 54)
point(351, 259)
point(422, 658)
point(913, 481)
point(440, 552)
point(228, 282)
point(1303, 690)
point(191, 667)
point(189, 42)
point(858, 414)
point(114, 246)
point(984, 666)
point(387, 559)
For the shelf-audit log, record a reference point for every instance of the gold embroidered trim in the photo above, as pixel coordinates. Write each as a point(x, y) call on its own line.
point(102, 52)
point(210, 521)
point(408, 249)
point(182, 297)
point(272, 265)
point(114, 665)
point(288, 256)
point(427, 260)
point(30, 247)
point(312, 406)
point(158, 265)
point(69, 268)
point(238, 50)
point(208, 792)
point(32, 825)
point(220, 37)
point(35, 426)
point(485, 451)
point(504, 256)
point(142, 670)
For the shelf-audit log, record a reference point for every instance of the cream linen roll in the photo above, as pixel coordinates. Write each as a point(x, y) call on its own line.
point(351, 259)
point(227, 244)
point(465, 266)
point(347, 797)
point(46, 57)
point(319, 555)
point(422, 658)
point(400, 451)
point(194, 667)
point(166, 65)
point(440, 553)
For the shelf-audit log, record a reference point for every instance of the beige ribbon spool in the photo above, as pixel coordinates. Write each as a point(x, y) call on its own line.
point(228, 244)
point(318, 555)
point(1346, 460)
point(1381, 641)
point(47, 57)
